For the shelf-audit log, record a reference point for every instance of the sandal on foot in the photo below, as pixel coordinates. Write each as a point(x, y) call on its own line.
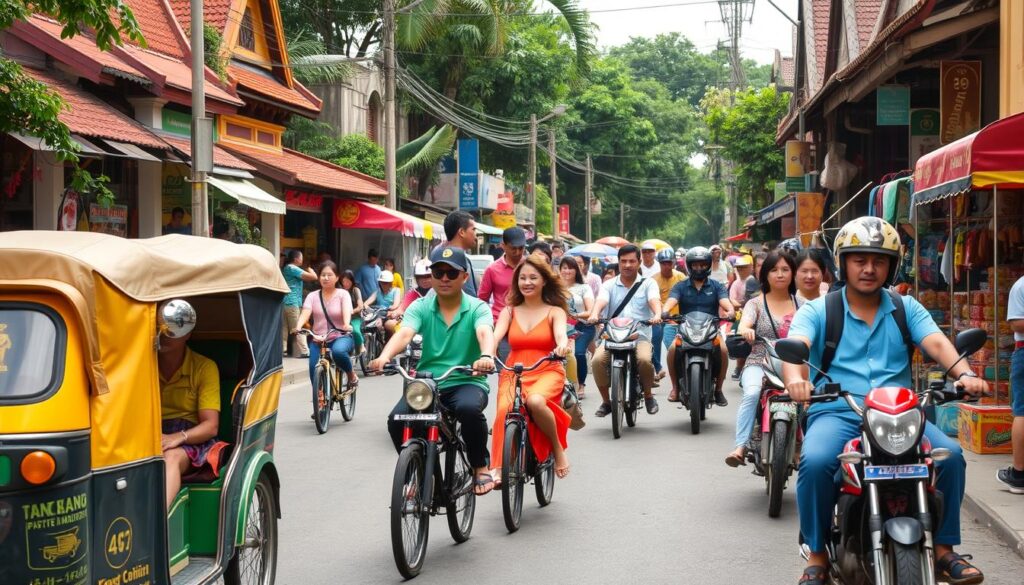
point(952, 566)
point(734, 460)
point(481, 481)
point(814, 575)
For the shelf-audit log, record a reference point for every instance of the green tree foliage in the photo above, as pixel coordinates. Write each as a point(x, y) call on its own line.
point(215, 57)
point(345, 27)
point(28, 107)
point(745, 128)
point(354, 151)
point(672, 60)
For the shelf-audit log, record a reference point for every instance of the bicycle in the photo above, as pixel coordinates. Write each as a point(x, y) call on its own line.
point(327, 386)
point(420, 487)
point(519, 464)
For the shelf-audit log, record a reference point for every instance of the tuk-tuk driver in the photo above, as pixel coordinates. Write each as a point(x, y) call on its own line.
point(190, 408)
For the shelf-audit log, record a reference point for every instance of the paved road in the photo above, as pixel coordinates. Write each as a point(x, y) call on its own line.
point(657, 506)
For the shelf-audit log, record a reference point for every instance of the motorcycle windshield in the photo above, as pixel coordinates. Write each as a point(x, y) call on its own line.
point(620, 329)
point(697, 328)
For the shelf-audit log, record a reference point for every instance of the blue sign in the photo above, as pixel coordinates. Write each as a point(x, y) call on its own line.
point(469, 173)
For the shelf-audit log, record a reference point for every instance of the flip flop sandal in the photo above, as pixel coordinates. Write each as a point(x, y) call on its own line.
point(482, 480)
point(814, 576)
point(734, 460)
point(951, 568)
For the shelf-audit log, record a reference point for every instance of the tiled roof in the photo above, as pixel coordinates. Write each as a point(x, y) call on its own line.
point(822, 14)
point(788, 71)
point(215, 12)
point(89, 116)
point(266, 85)
point(159, 27)
point(179, 74)
point(84, 44)
point(221, 157)
point(294, 168)
point(867, 15)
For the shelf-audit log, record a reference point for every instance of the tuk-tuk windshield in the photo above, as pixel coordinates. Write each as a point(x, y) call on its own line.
point(31, 351)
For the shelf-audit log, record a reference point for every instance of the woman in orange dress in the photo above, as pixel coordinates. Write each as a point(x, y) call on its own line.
point(535, 321)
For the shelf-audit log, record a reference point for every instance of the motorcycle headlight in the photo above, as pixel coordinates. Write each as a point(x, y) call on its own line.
point(419, 395)
point(895, 434)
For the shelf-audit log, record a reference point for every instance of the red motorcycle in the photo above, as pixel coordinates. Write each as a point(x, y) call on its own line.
point(888, 506)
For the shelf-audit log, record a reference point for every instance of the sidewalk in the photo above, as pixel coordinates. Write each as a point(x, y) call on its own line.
point(990, 503)
point(296, 371)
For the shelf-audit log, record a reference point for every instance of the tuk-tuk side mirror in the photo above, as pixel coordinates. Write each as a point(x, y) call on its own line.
point(970, 341)
point(176, 318)
point(792, 351)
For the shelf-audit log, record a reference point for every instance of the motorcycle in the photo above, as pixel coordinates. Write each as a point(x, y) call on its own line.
point(620, 338)
point(373, 336)
point(776, 434)
point(696, 363)
point(881, 531)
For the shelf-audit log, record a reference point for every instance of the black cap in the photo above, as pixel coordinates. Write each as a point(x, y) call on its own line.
point(514, 236)
point(449, 255)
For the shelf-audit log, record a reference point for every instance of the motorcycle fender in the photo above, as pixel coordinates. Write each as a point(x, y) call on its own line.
point(618, 363)
point(903, 530)
point(701, 359)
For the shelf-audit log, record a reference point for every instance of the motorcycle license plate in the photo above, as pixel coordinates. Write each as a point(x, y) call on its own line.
point(427, 416)
point(882, 472)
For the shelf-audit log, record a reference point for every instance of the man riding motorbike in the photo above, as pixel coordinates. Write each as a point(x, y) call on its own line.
point(643, 305)
point(871, 353)
point(699, 293)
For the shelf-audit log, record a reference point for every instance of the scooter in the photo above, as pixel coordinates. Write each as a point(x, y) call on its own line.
point(696, 362)
point(620, 338)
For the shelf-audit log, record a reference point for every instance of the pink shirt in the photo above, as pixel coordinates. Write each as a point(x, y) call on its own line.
point(341, 301)
point(738, 291)
point(594, 281)
point(495, 285)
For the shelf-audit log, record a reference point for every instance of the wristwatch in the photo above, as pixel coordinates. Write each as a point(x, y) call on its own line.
point(968, 373)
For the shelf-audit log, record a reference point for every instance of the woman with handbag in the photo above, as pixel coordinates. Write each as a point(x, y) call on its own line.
point(766, 316)
point(331, 309)
point(581, 301)
point(535, 322)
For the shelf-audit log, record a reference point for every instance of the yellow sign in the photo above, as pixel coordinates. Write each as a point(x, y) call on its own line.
point(5, 344)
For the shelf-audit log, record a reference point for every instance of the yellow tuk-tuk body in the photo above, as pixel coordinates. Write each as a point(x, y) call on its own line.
point(81, 465)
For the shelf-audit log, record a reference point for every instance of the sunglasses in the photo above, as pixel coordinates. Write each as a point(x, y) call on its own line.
point(440, 273)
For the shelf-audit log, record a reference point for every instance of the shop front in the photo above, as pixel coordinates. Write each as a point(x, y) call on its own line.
point(967, 213)
point(362, 226)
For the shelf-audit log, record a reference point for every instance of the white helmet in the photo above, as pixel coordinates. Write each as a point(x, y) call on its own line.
point(386, 276)
point(422, 268)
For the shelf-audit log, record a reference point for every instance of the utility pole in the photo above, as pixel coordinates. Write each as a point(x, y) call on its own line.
point(390, 172)
point(531, 171)
point(554, 185)
point(588, 197)
point(622, 219)
point(202, 127)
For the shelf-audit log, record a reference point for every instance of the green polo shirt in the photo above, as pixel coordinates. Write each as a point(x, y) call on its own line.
point(444, 345)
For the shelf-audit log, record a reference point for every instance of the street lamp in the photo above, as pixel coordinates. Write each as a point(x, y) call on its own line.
point(532, 163)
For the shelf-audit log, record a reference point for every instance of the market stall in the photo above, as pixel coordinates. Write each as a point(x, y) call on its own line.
point(362, 225)
point(967, 218)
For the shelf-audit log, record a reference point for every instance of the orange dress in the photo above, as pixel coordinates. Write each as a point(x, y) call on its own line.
point(526, 348)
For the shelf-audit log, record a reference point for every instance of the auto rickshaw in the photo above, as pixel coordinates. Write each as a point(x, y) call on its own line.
point(82, 493)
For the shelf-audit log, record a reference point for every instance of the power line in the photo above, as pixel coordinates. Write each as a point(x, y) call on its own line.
point(539, 14)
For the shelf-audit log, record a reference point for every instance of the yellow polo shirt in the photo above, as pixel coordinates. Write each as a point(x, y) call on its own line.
point(194, 387)
point(665, 287)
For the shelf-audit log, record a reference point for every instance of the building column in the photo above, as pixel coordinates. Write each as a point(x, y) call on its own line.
point(148, 110)
point(47, 191)
point(150, 198)
point(1011, 58)
point(271, 230)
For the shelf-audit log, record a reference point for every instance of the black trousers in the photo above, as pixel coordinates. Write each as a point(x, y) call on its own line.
point(467, 402)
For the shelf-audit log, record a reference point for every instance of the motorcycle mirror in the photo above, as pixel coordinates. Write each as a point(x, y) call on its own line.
point(792, 351)
point(970, 341)
point(176, 318)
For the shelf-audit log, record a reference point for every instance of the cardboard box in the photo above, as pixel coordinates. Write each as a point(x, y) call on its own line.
point(947, 418)
point(985, 428)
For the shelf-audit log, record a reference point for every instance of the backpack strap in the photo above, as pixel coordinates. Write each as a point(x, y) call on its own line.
point(900, 315)
point(834, 321)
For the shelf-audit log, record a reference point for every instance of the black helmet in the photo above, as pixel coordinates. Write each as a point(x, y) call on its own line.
point(698, 254)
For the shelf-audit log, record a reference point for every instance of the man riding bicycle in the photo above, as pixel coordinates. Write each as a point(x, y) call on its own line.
point(700, 293)
point(643, 304)
point(454, 326)
point(871, 353)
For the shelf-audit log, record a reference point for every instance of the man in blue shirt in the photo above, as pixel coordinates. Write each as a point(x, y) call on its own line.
point(368, 275)
point(700, 294)
point(294, 275)
point(871, 354)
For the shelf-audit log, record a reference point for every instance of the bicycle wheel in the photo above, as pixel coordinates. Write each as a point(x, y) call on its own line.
point(322, 399)
point(410, 520)
point(461, 506)
point(696, 385)
point(513, 472)
point(544, 481)
point(778, 467)
point(255, 560)
point(347, 404)
point(616, 396)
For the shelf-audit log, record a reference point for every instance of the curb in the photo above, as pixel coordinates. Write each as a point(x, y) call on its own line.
point(984, 515)
point(293, 377)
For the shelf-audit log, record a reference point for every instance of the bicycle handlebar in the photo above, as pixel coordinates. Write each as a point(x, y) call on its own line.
point(394, 368)
point(551, 357)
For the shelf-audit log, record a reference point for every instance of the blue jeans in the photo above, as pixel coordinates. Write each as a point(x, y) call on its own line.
point(587, 333)
point(657, 338)
point(817, 486)
point(340, 349)
point(750, 383)
point(1017, 382)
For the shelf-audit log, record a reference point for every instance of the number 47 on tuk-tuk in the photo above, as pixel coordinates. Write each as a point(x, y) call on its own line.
point(82, 486)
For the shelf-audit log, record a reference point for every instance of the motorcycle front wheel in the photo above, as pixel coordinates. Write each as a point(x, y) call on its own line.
point(617, 390)
point(696, 405)
point(778, 466)
point(632, 401)
point(907, 561)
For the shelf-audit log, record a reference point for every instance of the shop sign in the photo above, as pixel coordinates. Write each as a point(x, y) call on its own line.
point(959, 99)
point(346, 213)
point(504, 216)
point(809, 209)
point(777, 210)
point(563, 219)
point(176, 193)
point(177, 123)
point(924, 133)
point(892, 105)
point(109, 220)
point(303, 201)
point(798, 164)
point(469, 173)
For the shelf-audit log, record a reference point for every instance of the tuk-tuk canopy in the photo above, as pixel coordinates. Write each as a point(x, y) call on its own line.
point(990, 157)
point(152, 269)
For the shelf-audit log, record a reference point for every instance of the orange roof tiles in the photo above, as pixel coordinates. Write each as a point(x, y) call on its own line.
point(822, 14)
point(179, 74)
point(866, 13)
point(84, 43)
point(295, 168)
point(159, 27)
point(89, 116)
point(268, 86)
point(215, 12)
point(221, 157)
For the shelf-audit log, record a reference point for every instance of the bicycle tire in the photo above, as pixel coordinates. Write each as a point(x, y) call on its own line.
point(347, 405)
point(618, 383)
point(321, 399)
point(255, 561)
point(544, 481)
point(512, 476)
point(696, 388)
point(409, 540)
point(777, 470)
point(460, 510)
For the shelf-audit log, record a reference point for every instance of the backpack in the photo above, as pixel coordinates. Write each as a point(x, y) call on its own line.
point(834, 321)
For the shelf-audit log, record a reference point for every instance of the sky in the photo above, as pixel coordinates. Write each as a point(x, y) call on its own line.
point(700, 21)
